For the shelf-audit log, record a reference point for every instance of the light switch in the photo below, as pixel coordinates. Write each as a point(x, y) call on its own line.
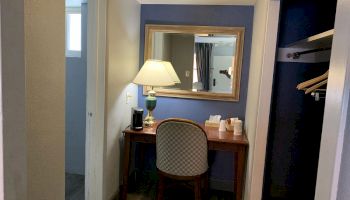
point(128, 97)
point(188, 73)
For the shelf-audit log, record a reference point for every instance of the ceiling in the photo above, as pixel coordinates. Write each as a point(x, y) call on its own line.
point(74, 3)
point(77, 3)
point(200, 2)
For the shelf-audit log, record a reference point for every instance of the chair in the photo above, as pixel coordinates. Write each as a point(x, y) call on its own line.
point(182, 154)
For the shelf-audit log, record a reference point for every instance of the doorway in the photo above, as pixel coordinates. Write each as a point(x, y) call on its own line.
point(76, 77)
point(296, 118)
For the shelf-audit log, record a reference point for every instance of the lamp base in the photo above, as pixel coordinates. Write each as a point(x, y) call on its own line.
point(151, 102)
point(149, 120)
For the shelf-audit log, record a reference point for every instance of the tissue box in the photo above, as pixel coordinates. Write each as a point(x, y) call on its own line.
point(211, 124)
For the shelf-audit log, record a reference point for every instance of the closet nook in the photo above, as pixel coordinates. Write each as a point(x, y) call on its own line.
point(301, 73)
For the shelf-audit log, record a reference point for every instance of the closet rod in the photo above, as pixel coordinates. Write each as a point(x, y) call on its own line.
point(296, 55)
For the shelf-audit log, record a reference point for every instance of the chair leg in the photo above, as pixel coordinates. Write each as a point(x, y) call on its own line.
point(206, 185)
point(197, 188)
point(160, 192)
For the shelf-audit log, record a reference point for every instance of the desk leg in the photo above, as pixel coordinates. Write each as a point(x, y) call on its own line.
point(239, 172)
point(126, 164)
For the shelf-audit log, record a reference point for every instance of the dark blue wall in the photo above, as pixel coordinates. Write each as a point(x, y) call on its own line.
point(296, 119)
point(199, 110)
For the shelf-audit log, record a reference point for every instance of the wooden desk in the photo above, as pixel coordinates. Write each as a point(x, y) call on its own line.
point(220, 141)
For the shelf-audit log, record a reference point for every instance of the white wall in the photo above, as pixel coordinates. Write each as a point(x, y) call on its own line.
point(45, 94)
point(344, 181)
point(262, 61)
point(123, 36)
point(33, 98)
point(13, 91)
point(182, 49)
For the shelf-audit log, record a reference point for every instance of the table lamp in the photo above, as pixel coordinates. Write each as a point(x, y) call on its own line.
point(155, 73)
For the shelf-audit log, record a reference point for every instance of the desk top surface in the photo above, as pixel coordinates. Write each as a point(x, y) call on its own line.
point(213, 134)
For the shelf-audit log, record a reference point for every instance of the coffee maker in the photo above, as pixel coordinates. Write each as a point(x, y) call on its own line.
point(136, 118)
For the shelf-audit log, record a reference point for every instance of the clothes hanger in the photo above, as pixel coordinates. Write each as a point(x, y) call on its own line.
point(316, 86)
point(313, 81)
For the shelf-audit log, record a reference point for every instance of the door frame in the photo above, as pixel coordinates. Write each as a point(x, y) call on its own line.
point(337, 100)
point(334, 118)
point(255, 187)
point(95, 100)
point(2, 196)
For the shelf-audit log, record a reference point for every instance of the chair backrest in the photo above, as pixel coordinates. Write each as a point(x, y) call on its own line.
point(182, 148)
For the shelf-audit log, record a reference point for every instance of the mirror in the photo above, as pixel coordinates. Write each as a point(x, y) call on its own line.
point(207, 59)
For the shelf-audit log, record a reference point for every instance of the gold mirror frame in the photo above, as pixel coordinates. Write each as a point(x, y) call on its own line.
point(150, 29)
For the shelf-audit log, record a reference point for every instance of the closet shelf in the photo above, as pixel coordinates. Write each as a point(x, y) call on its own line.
point(321, 40)
point(316, 48)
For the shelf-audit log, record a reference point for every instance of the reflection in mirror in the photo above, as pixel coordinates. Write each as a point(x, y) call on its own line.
point(206, 59)
point(204, 62)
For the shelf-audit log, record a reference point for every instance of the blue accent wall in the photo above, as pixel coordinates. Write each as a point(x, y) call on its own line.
point(76, 106)
point(296, 119)
point(199, 110)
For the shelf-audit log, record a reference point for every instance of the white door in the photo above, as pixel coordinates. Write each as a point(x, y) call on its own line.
point(219, 82)
point(95, 100)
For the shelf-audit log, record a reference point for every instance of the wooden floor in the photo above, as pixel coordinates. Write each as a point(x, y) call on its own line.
point(74, 187)
point(145, 187)
point(176, 195)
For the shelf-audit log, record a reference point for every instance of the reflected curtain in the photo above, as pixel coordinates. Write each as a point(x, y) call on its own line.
point(203, 60)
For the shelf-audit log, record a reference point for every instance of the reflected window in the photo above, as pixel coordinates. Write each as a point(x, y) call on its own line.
point(73, 32)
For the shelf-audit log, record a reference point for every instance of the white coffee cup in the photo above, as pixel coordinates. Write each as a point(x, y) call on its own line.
point(237, 127)
point(222, 125)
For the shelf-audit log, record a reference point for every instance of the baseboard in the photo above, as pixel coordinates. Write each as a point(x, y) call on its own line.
point(224, 185)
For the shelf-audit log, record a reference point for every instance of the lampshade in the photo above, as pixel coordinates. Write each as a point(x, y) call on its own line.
point(156, 73)
point(171, 71)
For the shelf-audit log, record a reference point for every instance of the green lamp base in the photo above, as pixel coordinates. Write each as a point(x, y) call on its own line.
point(151, 102)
